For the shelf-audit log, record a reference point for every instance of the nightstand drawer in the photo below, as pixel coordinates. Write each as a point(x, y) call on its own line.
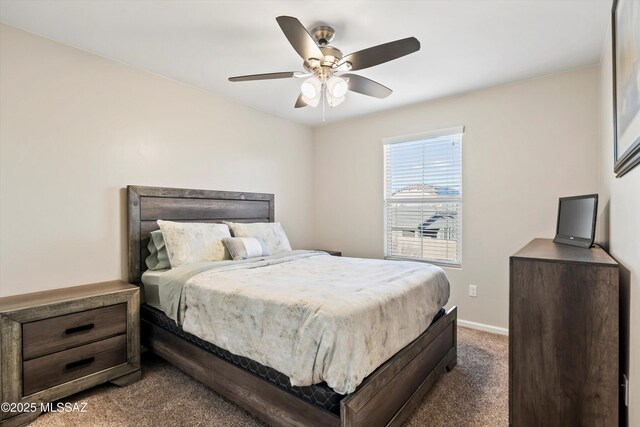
point(57, 368)
point(63, 332)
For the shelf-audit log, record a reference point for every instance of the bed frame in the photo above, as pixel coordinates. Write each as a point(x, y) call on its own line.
point(385, 398)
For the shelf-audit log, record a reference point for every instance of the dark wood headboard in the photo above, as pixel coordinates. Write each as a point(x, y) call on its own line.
point(146, 205)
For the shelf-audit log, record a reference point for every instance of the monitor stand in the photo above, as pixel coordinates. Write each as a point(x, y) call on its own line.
point(573, 241)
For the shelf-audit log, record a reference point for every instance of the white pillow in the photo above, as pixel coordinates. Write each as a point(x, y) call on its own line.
point(190, 242)
point(245, 247)
point(271, 233)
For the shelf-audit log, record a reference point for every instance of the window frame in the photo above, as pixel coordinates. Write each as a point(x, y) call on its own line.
point(438, 133)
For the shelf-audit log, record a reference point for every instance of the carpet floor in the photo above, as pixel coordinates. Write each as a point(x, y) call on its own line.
point(475, 393)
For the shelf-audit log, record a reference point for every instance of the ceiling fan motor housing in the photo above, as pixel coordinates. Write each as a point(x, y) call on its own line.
point(323, 35)
point(332, 55)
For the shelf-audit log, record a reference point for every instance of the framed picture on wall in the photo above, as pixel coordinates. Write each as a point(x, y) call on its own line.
point(626, 85)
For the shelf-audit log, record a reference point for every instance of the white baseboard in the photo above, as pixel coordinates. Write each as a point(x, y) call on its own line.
point(483, 327)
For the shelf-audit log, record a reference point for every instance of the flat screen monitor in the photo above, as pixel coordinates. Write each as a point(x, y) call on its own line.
point(577, 220)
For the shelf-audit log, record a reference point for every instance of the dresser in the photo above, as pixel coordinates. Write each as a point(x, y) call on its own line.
point(563, 336)
point(57, 343)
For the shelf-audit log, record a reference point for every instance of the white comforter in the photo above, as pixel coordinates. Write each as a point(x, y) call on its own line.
point(315, 317)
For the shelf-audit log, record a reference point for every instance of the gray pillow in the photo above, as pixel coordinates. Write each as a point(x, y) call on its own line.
point(245, 247)
point(158, 258)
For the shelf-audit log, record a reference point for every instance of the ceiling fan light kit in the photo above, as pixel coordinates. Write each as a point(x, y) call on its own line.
point(337, 86)
point(311, 90)
point(327, 66)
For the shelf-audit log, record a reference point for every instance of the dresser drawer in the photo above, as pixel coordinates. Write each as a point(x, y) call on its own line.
point(57, 368)
point(63, 332)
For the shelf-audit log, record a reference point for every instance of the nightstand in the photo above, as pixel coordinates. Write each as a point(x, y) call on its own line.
point(332, 253)
point(59, 342)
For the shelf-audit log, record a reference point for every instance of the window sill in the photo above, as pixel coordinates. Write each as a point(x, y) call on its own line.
point(439, 264)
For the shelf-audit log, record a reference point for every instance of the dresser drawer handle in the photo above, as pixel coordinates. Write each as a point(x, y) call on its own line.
point(79, 363)
point(79, 329)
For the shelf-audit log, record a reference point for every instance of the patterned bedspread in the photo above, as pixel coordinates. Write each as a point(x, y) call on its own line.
point(311, 316)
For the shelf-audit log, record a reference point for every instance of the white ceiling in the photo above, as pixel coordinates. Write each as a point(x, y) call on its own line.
point(466, 44)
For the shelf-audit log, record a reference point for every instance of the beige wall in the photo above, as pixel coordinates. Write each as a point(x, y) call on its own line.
point(525, 145)
point(76, 128)
point(619, 232)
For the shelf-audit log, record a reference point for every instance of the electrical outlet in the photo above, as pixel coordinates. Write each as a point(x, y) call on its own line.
point(473, 291)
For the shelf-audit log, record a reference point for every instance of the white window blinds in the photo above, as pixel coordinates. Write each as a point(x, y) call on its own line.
point(423, 197)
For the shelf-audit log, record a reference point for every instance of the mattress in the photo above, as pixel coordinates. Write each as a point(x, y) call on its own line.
point(311, 316)
point(150, 282)
point(320, 395)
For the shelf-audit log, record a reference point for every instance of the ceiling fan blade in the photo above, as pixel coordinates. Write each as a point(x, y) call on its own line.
point(266, 76)
point(380, 54)
point(299, 38)
point(300, 103)
point(366, 86)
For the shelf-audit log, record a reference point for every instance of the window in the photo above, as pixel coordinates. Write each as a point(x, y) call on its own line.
point(423, 197)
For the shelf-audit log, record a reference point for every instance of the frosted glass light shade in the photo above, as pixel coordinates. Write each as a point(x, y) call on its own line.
point(336, 90)
point(334, 102)
point(337, 87)
point(311, 91)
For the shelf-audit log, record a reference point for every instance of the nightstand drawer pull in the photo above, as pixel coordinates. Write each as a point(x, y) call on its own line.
point(72, 365)
point(79, 328)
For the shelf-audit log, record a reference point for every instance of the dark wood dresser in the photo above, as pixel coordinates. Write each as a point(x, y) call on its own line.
point(59, 342)
point(563, 336)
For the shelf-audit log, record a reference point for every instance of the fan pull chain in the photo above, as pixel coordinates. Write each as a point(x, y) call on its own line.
point(324, 99)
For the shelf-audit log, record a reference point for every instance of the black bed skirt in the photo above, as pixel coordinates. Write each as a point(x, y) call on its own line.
point(318, 394)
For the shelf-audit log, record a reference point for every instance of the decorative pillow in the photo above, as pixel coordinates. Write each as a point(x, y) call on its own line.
point(271, 233)
point(190, 242)
point(245, 247)
point(159, 257)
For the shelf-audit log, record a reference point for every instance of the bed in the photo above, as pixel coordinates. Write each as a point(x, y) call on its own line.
point(387, 396)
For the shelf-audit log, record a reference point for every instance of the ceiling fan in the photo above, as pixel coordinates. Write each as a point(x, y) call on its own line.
point(328, 69)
